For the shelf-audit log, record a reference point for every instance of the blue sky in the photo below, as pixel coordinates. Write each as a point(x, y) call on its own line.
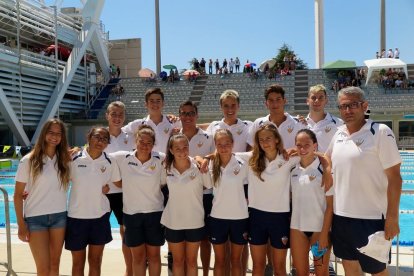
point(255, 30)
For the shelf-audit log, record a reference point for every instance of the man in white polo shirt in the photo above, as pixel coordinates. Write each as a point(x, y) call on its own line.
point(367, 182)
point(322, 123)
point(154, 102)
point(286, 125)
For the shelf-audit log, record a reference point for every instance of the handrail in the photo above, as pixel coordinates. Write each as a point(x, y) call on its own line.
point(8, 265)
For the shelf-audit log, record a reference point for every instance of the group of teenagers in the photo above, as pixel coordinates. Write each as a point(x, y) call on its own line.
point(271, 183)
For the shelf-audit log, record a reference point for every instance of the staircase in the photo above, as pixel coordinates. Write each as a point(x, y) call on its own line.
point(99, 102)
point(198, 89)
point(301, 92)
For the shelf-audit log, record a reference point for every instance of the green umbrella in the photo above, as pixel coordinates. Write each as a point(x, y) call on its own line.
point(339, 64)
point(169, 67)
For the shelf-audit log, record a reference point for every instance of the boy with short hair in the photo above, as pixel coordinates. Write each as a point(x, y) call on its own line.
point(287, 125)
point(154, 102)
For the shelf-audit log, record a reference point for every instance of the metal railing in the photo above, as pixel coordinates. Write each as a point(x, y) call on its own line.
point(8, 265)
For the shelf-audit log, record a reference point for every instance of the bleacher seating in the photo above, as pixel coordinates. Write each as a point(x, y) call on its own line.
point(251, 95)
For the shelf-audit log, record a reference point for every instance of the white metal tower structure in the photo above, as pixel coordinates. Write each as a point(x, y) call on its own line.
point(35, 87)
point(319, 34)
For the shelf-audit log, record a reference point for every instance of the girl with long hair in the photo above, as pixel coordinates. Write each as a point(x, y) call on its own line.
point(183, 216)
point(312, 209)
point(44, 173)
point(229, 214)
point(269, 210)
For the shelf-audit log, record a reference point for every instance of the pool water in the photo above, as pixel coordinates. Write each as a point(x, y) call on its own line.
point(406, 204)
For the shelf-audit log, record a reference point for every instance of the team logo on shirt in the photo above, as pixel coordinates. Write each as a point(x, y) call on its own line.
point(312, 177)
point(153, 166)
point(125, 140)
point(239, 131)
point(166, 130)
point(170, 174)
point(81, 166)
point(192, 175)
point(284, 240)
point(236, 171)
point(200, 144)
point(290, 129)
point(359, 142)
point(327, 129)
point(133, 164)
point(103, 169)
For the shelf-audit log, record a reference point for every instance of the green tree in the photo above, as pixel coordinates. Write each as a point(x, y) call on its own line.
point(286, 50)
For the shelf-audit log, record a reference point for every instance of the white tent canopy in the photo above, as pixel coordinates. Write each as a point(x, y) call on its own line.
point(384, 63)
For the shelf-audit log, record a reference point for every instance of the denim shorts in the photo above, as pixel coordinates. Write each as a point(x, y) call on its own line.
point(46, 222)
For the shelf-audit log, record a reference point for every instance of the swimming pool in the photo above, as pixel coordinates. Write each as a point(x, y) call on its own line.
point(406, 204)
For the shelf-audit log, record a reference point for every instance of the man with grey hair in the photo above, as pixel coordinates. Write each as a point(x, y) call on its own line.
point(367, 182)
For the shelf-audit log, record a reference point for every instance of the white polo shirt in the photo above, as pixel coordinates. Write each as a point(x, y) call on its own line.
point(46, 194)
point(229, 201)
point(324, 129)
point(272, 194)
point(287, 130)
point(308, 197)
point(162, 130)
point(123, 142)
point(141, 182)
point(240, 131)
point(185, 209)
point(358, 164)
point(201, 144)
point(88, 176)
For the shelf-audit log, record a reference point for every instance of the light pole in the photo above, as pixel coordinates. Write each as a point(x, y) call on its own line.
point(319, 34)
point(157, 36)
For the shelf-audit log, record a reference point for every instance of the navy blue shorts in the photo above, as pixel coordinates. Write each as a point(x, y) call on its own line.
point(188, 235)
point(208, 205)
point(348, 234)
point(46, 222)
point(220, 230)
point(115, 202)
point(269, 225)
point(81, 232)
point(143, 228)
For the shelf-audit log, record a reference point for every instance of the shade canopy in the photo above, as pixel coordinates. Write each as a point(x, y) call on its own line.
point(339, 64)
point(384, 63)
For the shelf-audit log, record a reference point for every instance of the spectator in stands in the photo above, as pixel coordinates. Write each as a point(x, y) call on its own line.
point(399, 83)
point(231, 65)
point(237, 64)
point(390, 53)
point(210, 66)
point(292, 62)
point(217, 65)
point(176, 75)
point(377, 55)
point(396, 53)
point(171, 77)
point(196, 65)
point(118, 72)
point(383, 53)
point(225, 63)
point(202, 66)
point(266, 69)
